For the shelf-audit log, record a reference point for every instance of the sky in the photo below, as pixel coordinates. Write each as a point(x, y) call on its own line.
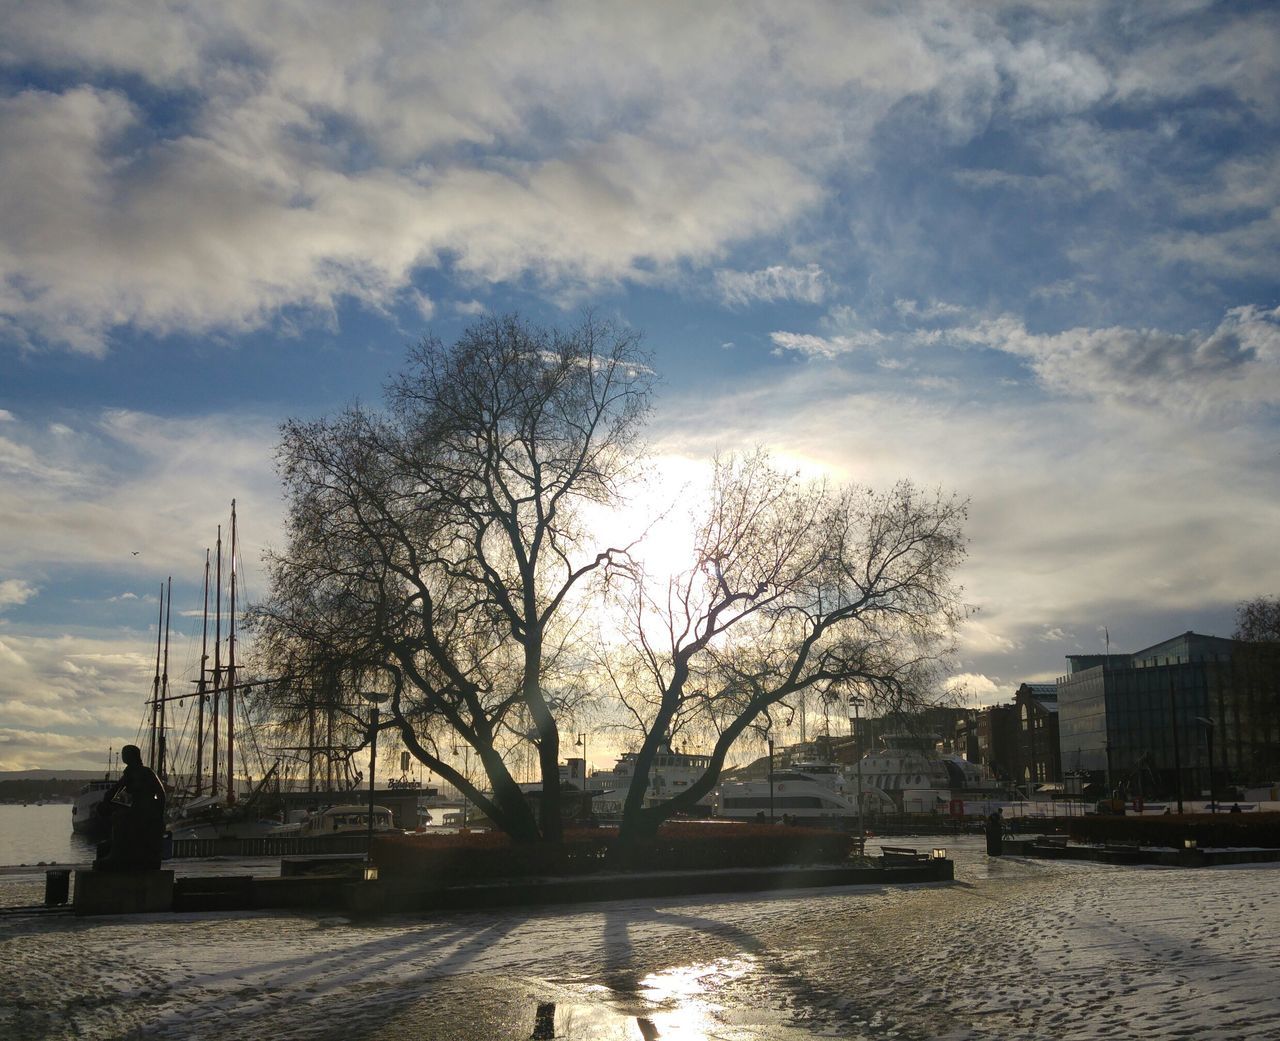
point(1023, 252)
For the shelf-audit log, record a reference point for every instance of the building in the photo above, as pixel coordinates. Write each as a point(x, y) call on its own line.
point(1154, 722)
point(1017, 742)
point(997, 738)
point(1039, 755)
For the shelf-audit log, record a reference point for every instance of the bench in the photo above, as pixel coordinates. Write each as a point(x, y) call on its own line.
point(902, 855)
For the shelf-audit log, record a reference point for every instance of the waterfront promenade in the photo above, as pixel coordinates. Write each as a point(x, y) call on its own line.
point(1015, 948)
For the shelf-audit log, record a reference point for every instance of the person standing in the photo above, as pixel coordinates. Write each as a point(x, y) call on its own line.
point(995, 833)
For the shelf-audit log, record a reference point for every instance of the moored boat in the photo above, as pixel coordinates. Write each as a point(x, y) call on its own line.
point(85, 819)
point(807, 792)
point(339, 820)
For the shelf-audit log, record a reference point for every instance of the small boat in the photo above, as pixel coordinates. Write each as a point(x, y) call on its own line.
point(339, 820)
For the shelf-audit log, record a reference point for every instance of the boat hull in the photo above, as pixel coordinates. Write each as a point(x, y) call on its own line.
point(85, 820)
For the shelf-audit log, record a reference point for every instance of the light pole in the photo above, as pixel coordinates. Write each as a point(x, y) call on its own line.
point(855, 703)
point(1177, 751)
point(373, 756)
point(466, 773)
point(770, 780)
point(582, 743)
point(373, 766)
point(1207, 723)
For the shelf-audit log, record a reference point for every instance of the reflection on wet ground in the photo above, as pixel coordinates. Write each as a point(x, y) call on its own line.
point(1015, 948)
point(677, 1002)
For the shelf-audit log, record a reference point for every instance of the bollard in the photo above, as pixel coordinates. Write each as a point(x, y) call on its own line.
point(57, 887)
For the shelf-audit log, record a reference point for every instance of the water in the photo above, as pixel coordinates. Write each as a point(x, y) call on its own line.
point(30, 834)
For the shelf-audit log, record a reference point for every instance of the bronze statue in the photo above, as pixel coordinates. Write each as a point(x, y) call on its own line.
point(137, 823)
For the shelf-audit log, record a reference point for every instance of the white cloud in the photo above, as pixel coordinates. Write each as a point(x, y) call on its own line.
point(14, 591)
point(975, 689)
point(810, 346)
point(927, 311)
point(323, 153)
point(121, 481)
point(808, 284)
point(1238, 363)
point(1157, 516)
point(65, 699)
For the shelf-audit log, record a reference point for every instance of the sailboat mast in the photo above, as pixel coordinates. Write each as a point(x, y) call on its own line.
point(155, 688)
point(200, 691)
point(217, 664)
point(231, 669)
point(161, 770)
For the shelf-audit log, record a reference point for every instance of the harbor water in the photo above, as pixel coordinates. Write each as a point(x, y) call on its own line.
point(34, 833)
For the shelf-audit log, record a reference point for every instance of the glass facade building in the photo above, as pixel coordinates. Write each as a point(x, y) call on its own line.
point(1145, 721)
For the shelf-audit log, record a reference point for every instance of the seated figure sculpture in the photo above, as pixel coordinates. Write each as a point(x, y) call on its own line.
point(137, 823)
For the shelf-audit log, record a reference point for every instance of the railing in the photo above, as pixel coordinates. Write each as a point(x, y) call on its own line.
point(270, 846)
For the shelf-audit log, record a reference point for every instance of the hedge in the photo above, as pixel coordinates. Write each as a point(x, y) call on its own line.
point(678, 846)
point(1209, 830)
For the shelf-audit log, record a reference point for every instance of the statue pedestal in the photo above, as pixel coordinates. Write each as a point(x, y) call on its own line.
point(122, 892)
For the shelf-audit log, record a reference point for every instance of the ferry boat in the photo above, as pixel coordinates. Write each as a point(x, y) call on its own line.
point(914, 776)
point(85, 819)
point(811, 792)
point(340, 820)
point(671, 771)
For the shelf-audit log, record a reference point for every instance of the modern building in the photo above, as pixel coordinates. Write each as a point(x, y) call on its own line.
point(1150, 723)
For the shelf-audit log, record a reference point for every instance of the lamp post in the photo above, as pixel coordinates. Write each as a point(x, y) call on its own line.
point(770, 780)
point(373, 754)
point(855, 703)
point(582, 743)
point(1177, 752)
point(466, 773)
point(373, 765)
point(1207, 723)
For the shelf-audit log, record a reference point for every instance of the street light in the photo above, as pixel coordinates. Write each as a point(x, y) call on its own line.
point(373, 757)
point(1207, 723)
point(770, 780)
point(466, 773)
point(1177, 753)
point(855, 703)
point(582, 743)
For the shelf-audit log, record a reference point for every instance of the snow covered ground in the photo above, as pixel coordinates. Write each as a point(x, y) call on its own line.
point(1014, 949)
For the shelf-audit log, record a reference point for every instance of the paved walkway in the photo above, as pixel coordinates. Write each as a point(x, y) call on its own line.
point(1014, 949)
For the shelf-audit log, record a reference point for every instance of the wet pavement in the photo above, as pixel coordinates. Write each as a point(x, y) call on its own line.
point(1015, 948)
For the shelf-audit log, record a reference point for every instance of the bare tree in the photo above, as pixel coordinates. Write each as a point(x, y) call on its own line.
point(436, 558)
point(1251, 729)
point(797, 587)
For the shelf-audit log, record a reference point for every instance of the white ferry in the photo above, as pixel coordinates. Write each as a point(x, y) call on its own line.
point(671, 771)
point(339, 820)
point(808, 792)
point(916, 777)
point(84, 815)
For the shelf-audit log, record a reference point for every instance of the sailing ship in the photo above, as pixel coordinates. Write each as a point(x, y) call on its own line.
point(205, 798)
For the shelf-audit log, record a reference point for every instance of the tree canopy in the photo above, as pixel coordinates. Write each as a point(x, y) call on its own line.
point(440, 559)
